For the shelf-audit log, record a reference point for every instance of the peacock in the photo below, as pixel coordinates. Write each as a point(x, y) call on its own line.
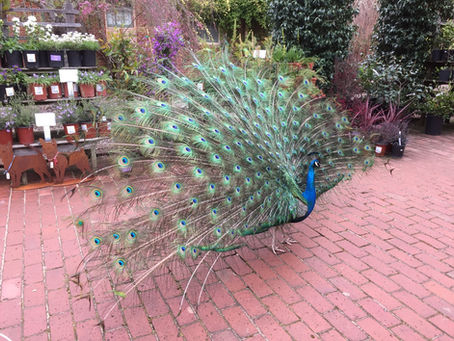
point(201, 165)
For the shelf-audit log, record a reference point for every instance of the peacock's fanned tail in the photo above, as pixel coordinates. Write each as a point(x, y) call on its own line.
point(196, 171)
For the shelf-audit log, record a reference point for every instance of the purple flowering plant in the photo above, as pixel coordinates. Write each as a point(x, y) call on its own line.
point(6, 118)
point(66, 112)
point(167, 41)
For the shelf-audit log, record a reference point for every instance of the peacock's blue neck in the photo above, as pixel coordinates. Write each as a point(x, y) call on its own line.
point(310, 194)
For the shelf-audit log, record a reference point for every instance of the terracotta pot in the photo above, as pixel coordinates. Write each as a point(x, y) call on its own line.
point(38, 91)
point(25, 135)
point(314, 80)
point(54, 91)
point(66, 92)
point(295, 66)
point(104, 128)
point(71, 130)
point(87, 90)
point(87, 130)
point(101, 89)
point(381, 149)
point(6, 136)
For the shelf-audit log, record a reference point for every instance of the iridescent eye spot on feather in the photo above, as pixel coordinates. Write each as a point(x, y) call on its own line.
point(239, 144)
point(128, 190)
point(132, 235)
point(198, 172)
point(218, 232)
point(181, 250)
point(158, 167)
point(258, 175)
point(356, 139)
point(237, 168)
point(96, 194)
point(155, 214)
point(249, 159)
point(120, 263)
point(123, 161)
point(120, 117)
point(194, 252)
point(345, 120)
point(306, 82)
point(116, 237)
point(177, 188)
point(211, 188)
point(356, 150)
point(228, 200)
point(96, 241)
point(226, 180)
point(141, 110)
point(367, 148)
point(227, 148)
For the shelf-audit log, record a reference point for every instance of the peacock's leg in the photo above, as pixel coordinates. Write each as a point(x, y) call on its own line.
point(273, 244)
point(288, 240)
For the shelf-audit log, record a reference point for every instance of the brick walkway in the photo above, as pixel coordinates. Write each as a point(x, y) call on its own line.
point(377, 265)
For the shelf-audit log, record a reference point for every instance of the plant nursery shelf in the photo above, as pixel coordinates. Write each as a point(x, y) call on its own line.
point(54, 24)
point(62, 99)
point(47, 69)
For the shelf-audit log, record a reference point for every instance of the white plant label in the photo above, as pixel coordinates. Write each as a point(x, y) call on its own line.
point(99, 87)
point(39, 90)
point(31, 58)
point(8, 176)
point(75, 87)
point(104, 118)
point(378, 149)
point(51, 164)
point(71, 129)
point(9, 92)
point(84, 127)
point(200, 86)
point(109, 126)
point(55, 89)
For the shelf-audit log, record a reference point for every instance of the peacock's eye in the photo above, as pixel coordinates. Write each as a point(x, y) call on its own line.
point(317, 164)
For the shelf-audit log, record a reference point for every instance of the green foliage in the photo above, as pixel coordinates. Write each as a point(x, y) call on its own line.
point(229, 14)
point(445, 40)
point(322, 29)
point(442, 104)
point(392, 81)
point(24, 113)
point(406, 28)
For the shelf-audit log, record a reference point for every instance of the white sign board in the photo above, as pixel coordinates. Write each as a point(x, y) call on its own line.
point(45, 120)
point(68, 75)
point(259, 54)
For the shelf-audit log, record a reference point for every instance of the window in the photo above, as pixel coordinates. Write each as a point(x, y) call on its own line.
point(119, 17)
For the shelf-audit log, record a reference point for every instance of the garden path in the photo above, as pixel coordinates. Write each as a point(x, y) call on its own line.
point(375, 263)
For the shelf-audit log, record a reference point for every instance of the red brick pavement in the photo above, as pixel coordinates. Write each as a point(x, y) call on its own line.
point(374, 261)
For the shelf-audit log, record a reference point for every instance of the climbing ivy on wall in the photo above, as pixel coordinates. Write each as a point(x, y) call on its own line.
point(406, 28)
point(322, 28)
point(229, 15)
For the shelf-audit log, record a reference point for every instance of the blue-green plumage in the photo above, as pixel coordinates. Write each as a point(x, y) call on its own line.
point(197, 172)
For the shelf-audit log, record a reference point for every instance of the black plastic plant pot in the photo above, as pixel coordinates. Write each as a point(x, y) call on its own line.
point(443, 57)
point(435, 56)
point(13, 59)
point(56, 58)
point(31, 59)
point(74, 58)
point(451, 55)
point(397, 150)
point(444, 75)
point(43, 58)
point(434, 124)
point(88, 58)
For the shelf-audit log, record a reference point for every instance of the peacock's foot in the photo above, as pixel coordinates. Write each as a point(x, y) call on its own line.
point(289, 241)
point(276, 250)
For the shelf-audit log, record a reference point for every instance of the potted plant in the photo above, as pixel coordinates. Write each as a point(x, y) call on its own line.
point(87, 82)
point(86, 115)
point(66, 91)
point(11, 82)
point(71, 42)
point(444, 43)
point(392, 128)
point(438, 108)
point(55, 53)
point(24, 120)
point(30, 53)
point(37, 86)
point(54, 89)
point(11, 46)
point(89, 46)
point(66, 114)
point(6, 125)
point(101, 84)
point(44, 43)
